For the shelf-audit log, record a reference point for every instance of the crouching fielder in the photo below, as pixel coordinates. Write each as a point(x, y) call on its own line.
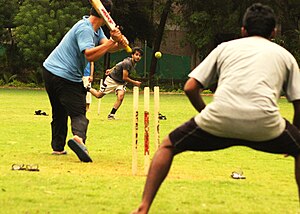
point(250, 73)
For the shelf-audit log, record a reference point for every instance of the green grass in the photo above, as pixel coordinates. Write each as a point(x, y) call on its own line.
point(197, 183)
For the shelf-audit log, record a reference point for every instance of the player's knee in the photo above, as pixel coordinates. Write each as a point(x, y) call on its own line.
point(121, 96)
point(167, 144)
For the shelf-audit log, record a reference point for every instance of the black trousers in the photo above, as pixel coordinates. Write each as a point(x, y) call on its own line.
point(67, 98)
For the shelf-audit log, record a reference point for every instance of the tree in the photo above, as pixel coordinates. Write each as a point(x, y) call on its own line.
point(159, 35)
point(212, 22)
point(209, 23)
point(42, 24)
point(289, 17)
point(135, 18)
point(8, 10)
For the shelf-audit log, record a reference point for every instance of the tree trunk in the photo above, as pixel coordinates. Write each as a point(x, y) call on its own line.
point(288, 23)
point(158, 38)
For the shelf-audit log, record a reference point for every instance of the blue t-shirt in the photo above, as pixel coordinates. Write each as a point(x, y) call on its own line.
point(67, 60)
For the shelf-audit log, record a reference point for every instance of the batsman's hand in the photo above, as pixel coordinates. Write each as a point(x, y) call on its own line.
point(124, 41)
point(116, 34)
point(120, 39)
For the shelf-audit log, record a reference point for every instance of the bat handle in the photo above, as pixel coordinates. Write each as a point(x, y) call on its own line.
point(128, 49)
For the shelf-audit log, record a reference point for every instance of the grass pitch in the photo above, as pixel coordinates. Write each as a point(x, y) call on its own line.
point(197, 183)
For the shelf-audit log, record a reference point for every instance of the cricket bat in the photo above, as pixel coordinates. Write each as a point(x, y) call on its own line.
point(98, 6)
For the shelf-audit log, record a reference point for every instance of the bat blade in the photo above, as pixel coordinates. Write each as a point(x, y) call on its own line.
point(98, 6)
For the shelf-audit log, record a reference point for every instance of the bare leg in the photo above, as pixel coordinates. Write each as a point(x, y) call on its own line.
point(158, 171)
point(297, 173)
point(120, 98)
point(117, 104)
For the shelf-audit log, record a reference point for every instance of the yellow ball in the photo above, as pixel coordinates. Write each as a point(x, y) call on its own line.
point(158, 54)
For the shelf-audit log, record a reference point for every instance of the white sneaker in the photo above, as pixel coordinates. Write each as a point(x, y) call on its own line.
point(111, 117)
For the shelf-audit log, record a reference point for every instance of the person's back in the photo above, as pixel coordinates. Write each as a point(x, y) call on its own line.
point(66, 60)
point(250, 73)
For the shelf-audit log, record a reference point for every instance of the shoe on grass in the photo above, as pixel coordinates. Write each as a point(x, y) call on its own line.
point(236, 175)
point(59, 152)
point(80, 149)
point(111, 117)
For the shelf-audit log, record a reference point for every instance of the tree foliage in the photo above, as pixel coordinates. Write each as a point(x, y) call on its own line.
point(135, 17)
point(209, 23)
point(31, 29)
point(42, 24)
point(166, 10)
point(8, 10)
point(289, 16)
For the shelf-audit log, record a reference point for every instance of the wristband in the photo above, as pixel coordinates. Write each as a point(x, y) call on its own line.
point(88, 88)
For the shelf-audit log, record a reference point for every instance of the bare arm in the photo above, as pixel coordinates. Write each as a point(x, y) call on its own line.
point(106, 45)
point(296, 119)
point(94, 92)
point(93, 54)
point(119, 45)
point(192, 90)
point(127, 79)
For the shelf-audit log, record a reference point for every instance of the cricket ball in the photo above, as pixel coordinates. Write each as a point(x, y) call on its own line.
point(158, 55)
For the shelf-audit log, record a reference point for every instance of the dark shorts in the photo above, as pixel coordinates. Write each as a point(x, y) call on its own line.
point(190, 137)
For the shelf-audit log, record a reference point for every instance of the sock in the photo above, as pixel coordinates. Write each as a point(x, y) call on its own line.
point(113, 111)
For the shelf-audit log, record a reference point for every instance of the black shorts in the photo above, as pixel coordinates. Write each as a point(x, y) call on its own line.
point(190, 137)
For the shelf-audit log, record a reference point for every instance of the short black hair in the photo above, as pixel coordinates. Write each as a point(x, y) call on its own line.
point(108, 6)
point(259, 20)
point(137, 49)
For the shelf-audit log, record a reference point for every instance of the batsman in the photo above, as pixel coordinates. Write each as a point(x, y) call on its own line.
point(63, 71)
